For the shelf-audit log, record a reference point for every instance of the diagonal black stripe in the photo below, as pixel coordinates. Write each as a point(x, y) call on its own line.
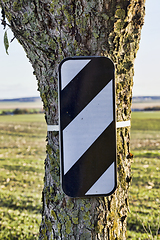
point(84, 87)
point(94, 162)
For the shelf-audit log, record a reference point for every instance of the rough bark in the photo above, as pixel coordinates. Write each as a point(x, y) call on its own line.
point(49, 31)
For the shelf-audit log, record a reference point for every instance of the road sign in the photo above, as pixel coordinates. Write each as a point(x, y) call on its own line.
point(87, 126)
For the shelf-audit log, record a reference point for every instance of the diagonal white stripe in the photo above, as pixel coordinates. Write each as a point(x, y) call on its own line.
point(88, 125)
point(69, 70)
point(105, 184)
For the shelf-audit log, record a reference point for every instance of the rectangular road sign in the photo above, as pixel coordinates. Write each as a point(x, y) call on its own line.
point(87, 126)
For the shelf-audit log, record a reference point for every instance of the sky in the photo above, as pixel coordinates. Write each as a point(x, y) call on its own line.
point(147, 63)
point(16, 73)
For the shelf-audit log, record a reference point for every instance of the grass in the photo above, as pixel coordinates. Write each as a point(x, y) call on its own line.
point(143, 221)
point(22, 153)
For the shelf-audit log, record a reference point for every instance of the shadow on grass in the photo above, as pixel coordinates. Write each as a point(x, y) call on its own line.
point(21, 168)
point(17, 236)
point(25, 203)
point(137, 224)
point(148, 155)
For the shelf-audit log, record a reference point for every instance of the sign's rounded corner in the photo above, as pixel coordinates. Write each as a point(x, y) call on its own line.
point(66, 193)
point(111, 61)
point(63, 61)
point(114, 189)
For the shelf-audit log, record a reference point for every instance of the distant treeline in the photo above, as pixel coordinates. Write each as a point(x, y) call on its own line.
point(152, 109)
point(146, 109)
point(20, 111)
point(146, 98)
point(27, 99)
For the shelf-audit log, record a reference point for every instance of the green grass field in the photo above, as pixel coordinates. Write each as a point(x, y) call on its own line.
point(22, 154)
point(143, 220)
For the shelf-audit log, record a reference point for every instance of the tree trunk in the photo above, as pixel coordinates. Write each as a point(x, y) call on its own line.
point(49, 31)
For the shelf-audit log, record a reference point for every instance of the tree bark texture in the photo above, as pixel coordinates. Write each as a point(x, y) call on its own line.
point(49, 31)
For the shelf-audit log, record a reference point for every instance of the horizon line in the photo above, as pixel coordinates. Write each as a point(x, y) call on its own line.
point(38, 97)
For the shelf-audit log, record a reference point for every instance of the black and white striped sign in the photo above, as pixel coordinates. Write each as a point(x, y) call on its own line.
point(87, 126)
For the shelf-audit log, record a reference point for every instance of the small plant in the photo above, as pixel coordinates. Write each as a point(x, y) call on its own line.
point(149, 229)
